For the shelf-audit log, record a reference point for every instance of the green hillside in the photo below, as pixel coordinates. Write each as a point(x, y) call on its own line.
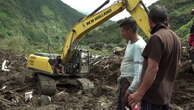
point(35, 22)
point(28, 25)
point(106, 34)
point(179, 17)
point(179, 11)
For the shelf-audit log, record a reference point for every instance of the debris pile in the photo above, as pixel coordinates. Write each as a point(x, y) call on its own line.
point(19, 92)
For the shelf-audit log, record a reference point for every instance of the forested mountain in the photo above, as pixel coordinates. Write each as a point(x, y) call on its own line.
point(40, 24)
point(35, 22)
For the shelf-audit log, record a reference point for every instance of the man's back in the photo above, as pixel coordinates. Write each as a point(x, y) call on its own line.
point(164, 47)
point(170, 53)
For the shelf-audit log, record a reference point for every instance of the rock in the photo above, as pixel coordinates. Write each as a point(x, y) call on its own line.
point(86, 84)
point(104, 103)
point(61, 96)
point(175, 107)
point(45, 100)
point(28, 96)
point(2, 80)
point(50, 107)
point(190, 89)
point(118, 51)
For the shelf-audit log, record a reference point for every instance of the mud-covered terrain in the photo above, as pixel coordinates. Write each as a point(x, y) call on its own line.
point(18, 83)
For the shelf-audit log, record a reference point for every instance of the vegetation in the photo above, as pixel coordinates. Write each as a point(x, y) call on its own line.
point(35, 23)
point(180, 20)
point(180, 16)
point(31, 25)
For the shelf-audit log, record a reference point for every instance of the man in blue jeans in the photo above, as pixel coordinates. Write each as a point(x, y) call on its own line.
point(161, 57)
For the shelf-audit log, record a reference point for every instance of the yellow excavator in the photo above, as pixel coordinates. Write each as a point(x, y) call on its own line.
point(73, 63)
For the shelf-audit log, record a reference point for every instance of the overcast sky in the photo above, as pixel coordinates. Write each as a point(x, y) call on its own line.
point(87, 6)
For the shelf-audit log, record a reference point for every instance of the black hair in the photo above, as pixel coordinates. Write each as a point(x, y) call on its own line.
point(129, 24)
point(158, 15)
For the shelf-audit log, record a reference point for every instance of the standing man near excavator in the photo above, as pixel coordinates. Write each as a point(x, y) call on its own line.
point(191, 42)
point(132, 63)
point(161, 57)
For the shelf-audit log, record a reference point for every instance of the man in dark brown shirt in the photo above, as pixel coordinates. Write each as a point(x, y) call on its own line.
point(161, 56)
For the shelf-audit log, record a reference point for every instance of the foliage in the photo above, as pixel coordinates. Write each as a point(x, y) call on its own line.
point(31, 25)
point(36, 21)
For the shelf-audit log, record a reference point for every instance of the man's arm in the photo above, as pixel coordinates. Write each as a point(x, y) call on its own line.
point(153, 53)
point(138, 64)
point(135, 82)
point(149, 76)
point(147, 82)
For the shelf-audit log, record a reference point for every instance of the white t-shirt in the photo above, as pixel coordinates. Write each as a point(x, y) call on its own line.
point(132, 62)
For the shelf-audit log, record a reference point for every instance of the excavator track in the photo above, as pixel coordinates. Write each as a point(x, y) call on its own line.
point(81, 83)
point(86, 84)
point(46, 85)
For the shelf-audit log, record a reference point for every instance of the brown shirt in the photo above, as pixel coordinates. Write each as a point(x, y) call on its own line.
point(163, 47)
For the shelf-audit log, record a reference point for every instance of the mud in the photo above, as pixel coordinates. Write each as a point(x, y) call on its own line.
point(104, 72)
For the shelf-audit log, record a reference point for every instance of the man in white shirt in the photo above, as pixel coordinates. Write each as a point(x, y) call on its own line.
point(132, 62)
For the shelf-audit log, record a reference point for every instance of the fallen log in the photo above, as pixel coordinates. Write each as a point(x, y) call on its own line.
point(184, 67)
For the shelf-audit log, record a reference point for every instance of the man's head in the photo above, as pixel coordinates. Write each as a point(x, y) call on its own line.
point(128, 29)
point(158, 15)
point(192, 12)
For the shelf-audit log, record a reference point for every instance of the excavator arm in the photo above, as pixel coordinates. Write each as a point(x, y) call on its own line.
point(135, 7)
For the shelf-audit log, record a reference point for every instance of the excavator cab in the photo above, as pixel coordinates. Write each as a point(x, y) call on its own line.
point(78, 65)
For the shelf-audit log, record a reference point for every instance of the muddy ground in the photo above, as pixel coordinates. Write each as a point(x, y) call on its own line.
point(104, 72)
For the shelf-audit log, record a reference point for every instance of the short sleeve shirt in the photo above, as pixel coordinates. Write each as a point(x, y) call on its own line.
point(163, 47)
